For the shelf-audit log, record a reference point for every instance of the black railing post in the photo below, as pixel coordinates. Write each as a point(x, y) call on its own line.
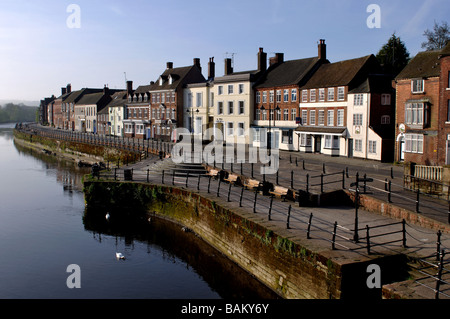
point(296, 161)
point(187, 178)
point(229, 191)
point(392, 172)
point(323, 168)
point(270, 208)
point(343, 179)
point(368, 239)
point(240, 198)
point(292, 179)
point(209, 182)
point(218, 188)
point(355, 235)
point(252, 169)
point(417, 201)
point(254, 202)
point(389, 192)
point(334, 236)
point(438, 244)
point(321, 183)
point(277, 177)
point(198, 182)
point(148, 173)
point(404, 232)
point(439, 274)
point(307, 183)
point(303, 164)
point(365, 183)
point(288, 217)
point(309, 226)
point(162, 178)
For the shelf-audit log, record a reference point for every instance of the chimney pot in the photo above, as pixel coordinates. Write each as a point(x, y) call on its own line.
point(228, 67)
point(63, 91)
point(169, 65)
point(211, 69)
point(69, 88)
point(322, 50)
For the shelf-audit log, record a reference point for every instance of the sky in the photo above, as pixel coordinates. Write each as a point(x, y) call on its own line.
point(44, 45)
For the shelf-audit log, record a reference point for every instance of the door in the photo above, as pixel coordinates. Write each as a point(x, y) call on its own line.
point(350, 147)
point(401, 149)
point(317, 143)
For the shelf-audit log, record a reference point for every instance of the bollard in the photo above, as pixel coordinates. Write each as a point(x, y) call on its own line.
point(254, 202)
point(270, 208)
point(240, 198)
point(309, 226)
point(288, 217)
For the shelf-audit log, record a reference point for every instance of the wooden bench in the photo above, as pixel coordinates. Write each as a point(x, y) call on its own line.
point(213, 173)
point(252, 184)
point(279, 191)
point(232, 178)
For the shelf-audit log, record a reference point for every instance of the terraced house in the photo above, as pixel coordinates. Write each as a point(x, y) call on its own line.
point(343, 106)
point(277, 111)
point(167, 99)
point(234, 101)
point(136, 122)
point(423, 109)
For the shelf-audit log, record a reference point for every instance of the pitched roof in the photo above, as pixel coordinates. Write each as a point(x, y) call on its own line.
point(178, 75)
point(92, 98)
point(342, 72)
point(118, 99)
point(76, 95)
point(286, 73)
point(374, 83)
point(424, 64)
point(446, 50)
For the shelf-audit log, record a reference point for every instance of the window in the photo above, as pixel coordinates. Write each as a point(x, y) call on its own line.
point(256, 135)
point(199, 98)
point(258, 97)
point(174, 114)
point(271, 115)
point(372, 147)
point(271, 94)
point(330, 94)
point(294, 95)
point(163, 97)
point(241, 130)
point(230, 88)
point(358, 99)
point(257, 115)
point(357, 119)
point(278, 95)
point(241, 107)
point(312, 95)
point(278, 115)
point(385, 99)
point(219, 107)
point(211, 99)
point(173, 97)
point(330, 118)
point(332, 141)
point(448, 110)
point(340, 118)
point(321, 117)
point(312, 117)
point(304, 95)
point(286, 136)
point(264, 97)
point(304, 117)
point(321, 94)
point(341, 93)
point(358, 145)
point(264, 115)
point(414, 113)
point(414, 143)
point(285, 95)
point(230, 129)
point(293, 114)
point(385, 119)
point(220, 90)
point(286, 115)
point(153, 98)
point(241, 88)
point(417, 86)
point(305, 139)
point(230, 107)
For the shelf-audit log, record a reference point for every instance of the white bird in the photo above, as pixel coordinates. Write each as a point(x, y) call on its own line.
point(107, 216)
point(120, 256)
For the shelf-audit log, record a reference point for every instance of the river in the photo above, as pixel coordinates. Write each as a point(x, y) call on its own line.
point(44, 228)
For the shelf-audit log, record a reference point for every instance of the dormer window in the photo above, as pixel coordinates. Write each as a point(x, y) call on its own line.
point(170, 80)
point(145, 97)
point(140, 97)
point(129, 98)
point(161, 81)
point(417, 86)
point(135, 98)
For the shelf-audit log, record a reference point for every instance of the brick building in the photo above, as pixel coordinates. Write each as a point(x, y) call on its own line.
point(137, 113)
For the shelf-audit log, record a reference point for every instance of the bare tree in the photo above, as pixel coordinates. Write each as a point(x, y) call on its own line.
point(438, 37)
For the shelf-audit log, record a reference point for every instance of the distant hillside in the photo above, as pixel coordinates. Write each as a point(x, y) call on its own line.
point(12, 113)
point(20, 102)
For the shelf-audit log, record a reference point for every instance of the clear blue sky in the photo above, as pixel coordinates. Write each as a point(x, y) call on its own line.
point(39, 53)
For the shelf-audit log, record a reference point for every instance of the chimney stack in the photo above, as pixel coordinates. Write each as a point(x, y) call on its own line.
point(278, 58)
point(106, 90)
point(197, 63)
point(322, 48)
point(228, 67)
point(63, 91)
point(169, 65)
point(129, 88)
point(69, 88)
point(262, 60)
point(211, 69)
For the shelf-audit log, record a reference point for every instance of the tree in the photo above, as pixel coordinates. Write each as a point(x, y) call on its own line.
point(436, 39)
point(393, 56)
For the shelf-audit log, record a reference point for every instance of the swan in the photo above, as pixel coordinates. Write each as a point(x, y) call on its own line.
point(107, 216)
point(120, 256)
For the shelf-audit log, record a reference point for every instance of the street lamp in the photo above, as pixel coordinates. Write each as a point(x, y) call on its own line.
point(191, 114)
point(269, 140)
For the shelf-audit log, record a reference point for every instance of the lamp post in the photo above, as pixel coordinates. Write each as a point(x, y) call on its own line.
point(191, 115)
point(269, 140)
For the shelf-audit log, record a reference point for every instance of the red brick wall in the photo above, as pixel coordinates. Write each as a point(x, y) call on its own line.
point(430, 147)
point(444, 126)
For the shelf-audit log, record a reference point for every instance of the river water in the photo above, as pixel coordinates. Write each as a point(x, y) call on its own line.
point(44, 228)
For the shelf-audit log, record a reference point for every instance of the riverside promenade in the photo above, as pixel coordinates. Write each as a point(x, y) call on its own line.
point(335, 226)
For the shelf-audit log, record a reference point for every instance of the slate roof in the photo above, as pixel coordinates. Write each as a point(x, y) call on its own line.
point(424, 64)
point(375, 83)
point(343, 73)
point(118, 99)
point(92, 98)
point(286, 73)
point(178, 75)
point(74, 96)
point(446, 50)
